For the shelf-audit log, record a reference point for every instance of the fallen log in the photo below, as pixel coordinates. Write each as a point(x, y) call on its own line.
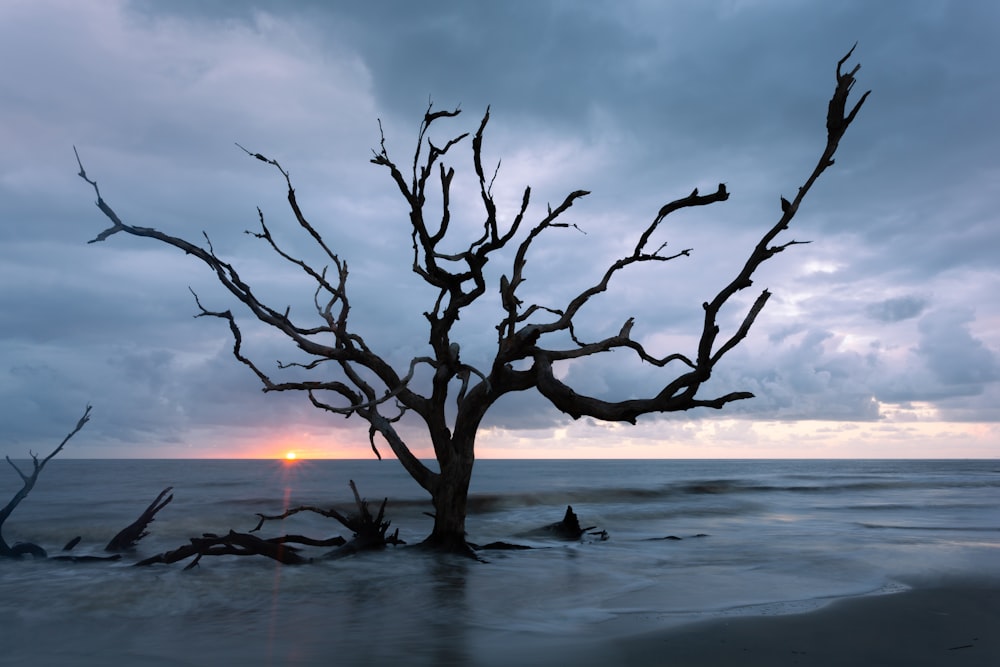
point(500, 546)
point(86, 559)
point(232, 544)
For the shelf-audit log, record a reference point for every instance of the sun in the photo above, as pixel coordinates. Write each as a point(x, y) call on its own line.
point(290, 456)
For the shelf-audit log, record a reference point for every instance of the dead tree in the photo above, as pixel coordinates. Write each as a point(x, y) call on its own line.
point(528, 345)
point(28, 483)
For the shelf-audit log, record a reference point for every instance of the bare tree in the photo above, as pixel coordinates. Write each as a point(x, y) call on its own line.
point(459, 395)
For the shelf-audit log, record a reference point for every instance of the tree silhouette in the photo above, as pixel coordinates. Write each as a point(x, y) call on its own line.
point(458, 395)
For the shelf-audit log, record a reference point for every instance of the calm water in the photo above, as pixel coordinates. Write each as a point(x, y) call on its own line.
point(757, 537)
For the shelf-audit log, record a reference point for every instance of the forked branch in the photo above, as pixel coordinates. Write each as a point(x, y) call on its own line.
point(28, 483)
point(330, 341)
point(681, 393)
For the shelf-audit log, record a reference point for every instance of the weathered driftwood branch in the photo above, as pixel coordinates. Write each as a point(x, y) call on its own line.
point(129, 536)
point(232, 544)
point(568, 528)
point(369, 534)
point(369, 531)
point(28, 483)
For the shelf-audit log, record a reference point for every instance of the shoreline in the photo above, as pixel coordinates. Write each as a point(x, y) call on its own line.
point(949, 622)
point(952, 621)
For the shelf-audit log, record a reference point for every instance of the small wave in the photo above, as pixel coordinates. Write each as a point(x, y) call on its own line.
point(973, 529)
point(916, 505)
point(691, 488)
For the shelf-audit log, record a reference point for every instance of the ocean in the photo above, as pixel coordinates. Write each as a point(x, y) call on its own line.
point(687, 540)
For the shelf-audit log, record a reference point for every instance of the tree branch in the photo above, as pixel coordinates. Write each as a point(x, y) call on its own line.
point(680, 394)
point(28, 483)
point(349, 349)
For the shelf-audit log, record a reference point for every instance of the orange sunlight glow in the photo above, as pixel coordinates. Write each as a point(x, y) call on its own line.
point(290, 456)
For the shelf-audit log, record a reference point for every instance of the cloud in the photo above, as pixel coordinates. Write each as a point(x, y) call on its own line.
point(954, 356)
point(893, 302)
point(896, 309)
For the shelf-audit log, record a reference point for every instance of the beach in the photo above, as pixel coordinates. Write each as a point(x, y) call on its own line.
point(943, 623)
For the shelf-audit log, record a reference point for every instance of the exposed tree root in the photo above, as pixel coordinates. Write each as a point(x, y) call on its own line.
point(568, 529)
point(369, 534)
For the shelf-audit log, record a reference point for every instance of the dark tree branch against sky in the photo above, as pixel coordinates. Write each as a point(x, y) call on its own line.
point(880, 337)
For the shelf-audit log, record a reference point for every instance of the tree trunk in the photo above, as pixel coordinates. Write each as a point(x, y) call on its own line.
point(450, 498)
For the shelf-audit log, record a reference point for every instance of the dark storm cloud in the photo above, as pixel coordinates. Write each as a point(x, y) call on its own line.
point(953, 354)
point(639, 102)
point(897, 309)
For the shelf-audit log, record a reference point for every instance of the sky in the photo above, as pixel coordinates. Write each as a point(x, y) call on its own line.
point(882, 338)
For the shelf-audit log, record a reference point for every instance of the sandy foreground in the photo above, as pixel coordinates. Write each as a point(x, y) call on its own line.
point(940, 624)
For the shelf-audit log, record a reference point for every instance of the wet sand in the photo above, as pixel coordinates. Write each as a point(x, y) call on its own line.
point(951, 623)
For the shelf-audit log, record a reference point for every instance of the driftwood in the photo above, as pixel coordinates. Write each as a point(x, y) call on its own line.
point(568, 529)
point(671, 538)
point(233, 544)
point(131, 534)
point(126, 539)
point(500, 546)
point(28, 483)
point(369, 534)
point(86, 559)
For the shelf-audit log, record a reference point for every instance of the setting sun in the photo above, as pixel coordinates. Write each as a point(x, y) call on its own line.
point(290, 456)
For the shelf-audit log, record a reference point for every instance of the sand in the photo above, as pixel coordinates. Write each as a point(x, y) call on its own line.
point(952, 623)
point(940, 624)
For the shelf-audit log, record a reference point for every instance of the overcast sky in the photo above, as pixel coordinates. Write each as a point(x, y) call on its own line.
point(882, 338)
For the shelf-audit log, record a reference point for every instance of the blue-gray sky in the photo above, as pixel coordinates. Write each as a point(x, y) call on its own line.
point(882, 338)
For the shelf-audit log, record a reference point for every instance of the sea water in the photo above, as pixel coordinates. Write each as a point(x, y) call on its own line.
point(686, 540)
